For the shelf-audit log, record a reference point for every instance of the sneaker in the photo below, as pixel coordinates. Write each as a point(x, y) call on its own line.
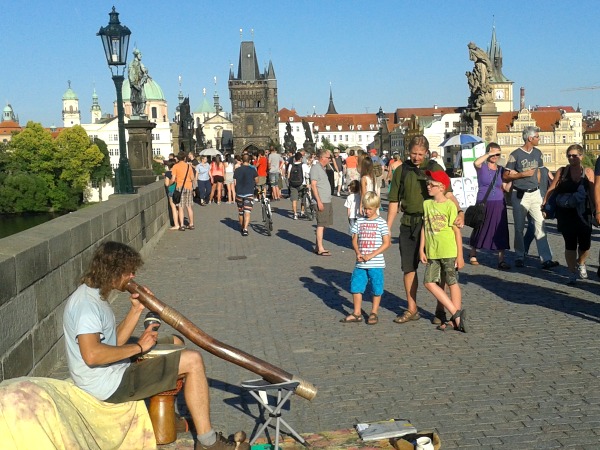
point(244, 232)
point(582, 271)
point(222, 444)
point(302, 216)
point(519, 263)
point(547, 265)
point(572, 279)
point(295, 216)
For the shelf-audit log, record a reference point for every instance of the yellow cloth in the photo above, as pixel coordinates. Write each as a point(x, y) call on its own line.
point(43, 413)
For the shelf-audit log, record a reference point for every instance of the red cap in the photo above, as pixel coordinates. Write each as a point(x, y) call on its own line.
point(373, 151)
point(440, 176)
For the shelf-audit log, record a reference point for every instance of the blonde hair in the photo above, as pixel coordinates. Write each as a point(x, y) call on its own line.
point(371, 200)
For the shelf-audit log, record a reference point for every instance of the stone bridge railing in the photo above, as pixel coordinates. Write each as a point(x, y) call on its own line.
point(41, 267)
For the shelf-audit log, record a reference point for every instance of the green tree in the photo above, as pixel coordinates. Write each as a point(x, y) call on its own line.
point(158, 167)
point(588, 160)
point(103, 172)
point(327, 145)
point(22, 192)
point(342, 148)
point(76, 157)
point(34, 151)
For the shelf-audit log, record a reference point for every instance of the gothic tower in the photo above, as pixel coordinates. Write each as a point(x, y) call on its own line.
point(70, 113)
point(254, 104)
point(503, 87)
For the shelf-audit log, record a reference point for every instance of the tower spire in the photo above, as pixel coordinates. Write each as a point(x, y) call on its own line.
point(331, 108)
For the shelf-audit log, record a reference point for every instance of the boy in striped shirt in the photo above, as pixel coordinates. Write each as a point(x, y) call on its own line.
point(370, 238)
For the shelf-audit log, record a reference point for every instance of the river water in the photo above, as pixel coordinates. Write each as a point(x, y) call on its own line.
point(15, 223)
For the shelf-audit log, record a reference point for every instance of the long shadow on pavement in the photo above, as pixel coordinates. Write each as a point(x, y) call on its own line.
point(530, 294)
point(294, 239)
point(333, 291)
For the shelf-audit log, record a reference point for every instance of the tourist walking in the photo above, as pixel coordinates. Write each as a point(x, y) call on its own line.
point(170, 186)
point(275, 164)
point(183, 175)
point(229, 185)
point(368, 180)
point(217, 177)
point(522, 165)
point(573, 186)
point(493, 233)
point(245, 178)
point(352, 167)
point(204, 187)
point(393, 164)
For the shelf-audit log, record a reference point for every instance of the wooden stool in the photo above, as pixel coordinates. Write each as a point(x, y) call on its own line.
point(162, 414)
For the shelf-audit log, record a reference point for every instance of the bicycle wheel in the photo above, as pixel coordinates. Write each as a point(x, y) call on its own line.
point(269, 220)
point(264, 212)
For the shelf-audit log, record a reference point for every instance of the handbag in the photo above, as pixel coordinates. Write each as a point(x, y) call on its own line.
point(177, 192)
point(475, 214)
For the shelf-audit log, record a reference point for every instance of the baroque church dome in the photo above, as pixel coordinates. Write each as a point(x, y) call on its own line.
point(70, 94)
point(152, 90)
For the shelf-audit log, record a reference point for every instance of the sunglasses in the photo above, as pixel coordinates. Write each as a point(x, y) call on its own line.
point(573, 155)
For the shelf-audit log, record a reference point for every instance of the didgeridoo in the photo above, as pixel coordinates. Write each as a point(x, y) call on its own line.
point(174, 318)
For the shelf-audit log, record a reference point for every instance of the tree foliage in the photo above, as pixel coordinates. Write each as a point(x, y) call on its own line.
point(40, 173)
point(327, 145)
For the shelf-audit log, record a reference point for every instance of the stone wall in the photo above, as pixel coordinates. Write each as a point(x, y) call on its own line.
point(41, 267)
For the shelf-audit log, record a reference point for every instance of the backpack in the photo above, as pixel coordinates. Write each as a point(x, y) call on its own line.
point(377, 168)
point(296, 176)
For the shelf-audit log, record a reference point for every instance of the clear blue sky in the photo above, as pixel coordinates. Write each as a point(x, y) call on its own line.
point(375, 53)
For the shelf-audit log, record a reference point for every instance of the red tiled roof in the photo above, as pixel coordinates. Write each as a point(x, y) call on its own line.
point(568, 109)
point(591, 128)
point(285, 114)
point(335, 120)
point(8, 127)
point(545, 120)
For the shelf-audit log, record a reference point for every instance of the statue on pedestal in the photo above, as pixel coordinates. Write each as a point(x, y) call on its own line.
point(480, 78)
point(138, 76)
point(289, 144)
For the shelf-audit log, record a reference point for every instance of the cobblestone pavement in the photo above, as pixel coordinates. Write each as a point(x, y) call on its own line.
point(525, 376)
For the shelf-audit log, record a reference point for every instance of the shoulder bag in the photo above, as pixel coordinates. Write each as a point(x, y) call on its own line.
point(475, 214)
point(177, 192)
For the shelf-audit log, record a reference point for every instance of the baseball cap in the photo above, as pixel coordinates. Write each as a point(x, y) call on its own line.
point(440, 176)
point(373, 151)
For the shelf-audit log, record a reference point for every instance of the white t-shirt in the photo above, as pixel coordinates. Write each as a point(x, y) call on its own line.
point(352, 203)
point(370, 238)
point(87, 313)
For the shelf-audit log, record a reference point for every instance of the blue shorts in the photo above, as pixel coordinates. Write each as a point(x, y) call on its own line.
point(360, 278)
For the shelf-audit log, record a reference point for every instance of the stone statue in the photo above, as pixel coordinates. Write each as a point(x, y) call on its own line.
point(479, 79)
point(138, 76)
point(307, 131)
point(200, 137)
point(289, 144)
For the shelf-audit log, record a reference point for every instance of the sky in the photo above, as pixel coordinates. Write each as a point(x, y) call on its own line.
point(389, 54)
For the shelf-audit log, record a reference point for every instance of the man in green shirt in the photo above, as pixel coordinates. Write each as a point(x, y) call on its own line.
point(407, 193)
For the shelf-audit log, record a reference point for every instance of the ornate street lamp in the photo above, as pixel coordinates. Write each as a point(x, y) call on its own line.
point(115, 39)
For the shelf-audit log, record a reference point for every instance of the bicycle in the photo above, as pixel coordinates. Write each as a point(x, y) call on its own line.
point(265, 205)
point(306, 202)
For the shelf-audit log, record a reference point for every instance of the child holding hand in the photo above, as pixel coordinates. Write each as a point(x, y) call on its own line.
point(370, 238)
point(441, 248)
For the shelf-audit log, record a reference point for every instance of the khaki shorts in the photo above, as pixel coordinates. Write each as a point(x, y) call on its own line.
point(438, 270)
point(325, 217)
point(147, 377)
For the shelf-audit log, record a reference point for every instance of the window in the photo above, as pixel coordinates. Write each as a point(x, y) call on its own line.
point(547, 158)
point(346, 138)
point(360, 138)
point(335, 138)
point(564, 139)
point(154, 112)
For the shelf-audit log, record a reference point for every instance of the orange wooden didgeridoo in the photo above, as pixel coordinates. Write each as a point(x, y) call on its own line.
point(174, 318)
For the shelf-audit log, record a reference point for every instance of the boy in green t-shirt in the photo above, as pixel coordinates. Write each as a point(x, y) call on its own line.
point(441, 248)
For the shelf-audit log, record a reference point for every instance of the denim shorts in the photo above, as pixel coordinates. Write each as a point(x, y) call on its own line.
point(441, 269)
point(360, 278)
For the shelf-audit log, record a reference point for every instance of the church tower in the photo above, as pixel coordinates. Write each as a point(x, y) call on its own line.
point(70, 113)
point(254, 104)
point(502, 86)
point(95, 109)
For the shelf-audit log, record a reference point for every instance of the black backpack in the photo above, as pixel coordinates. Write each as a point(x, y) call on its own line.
point(296, 176)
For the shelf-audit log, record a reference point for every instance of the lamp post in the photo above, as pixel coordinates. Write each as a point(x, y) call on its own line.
point(381, 119)
point(115, 39)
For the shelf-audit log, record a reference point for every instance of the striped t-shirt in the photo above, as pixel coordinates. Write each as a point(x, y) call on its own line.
point(370, 237)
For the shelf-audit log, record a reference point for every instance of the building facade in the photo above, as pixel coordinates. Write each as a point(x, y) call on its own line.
point(254, 104)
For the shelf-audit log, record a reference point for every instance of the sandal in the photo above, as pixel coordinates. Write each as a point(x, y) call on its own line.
point(191, 227)
point(502, 265)
point(181, 228)
point(439, 318)
point(355, 319)
point(462, 315)
point(373, 319)
point(473, 261)
point(407, 317)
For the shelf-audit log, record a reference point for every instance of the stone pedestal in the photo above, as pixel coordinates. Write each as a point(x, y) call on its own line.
point(139, 149)
point(309, 147)
point(488, 121)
